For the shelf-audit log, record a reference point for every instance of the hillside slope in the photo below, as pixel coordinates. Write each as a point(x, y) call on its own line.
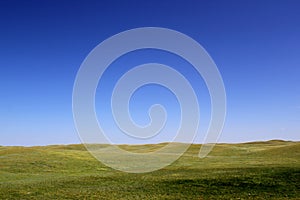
point(260, 170)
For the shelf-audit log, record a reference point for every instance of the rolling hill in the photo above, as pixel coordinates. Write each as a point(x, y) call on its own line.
point(256, 170)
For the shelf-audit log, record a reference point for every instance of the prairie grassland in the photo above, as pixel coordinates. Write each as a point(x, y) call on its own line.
point(257, 170)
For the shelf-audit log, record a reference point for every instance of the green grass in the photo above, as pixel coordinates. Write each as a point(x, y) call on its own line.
point(260, 170)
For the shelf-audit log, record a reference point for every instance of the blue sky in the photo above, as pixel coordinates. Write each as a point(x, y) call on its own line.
point(255, 44)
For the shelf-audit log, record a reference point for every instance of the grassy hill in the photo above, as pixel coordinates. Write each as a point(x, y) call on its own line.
point(257, 170)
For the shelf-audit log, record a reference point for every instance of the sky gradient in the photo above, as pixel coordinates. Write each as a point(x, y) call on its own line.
point(255, 44)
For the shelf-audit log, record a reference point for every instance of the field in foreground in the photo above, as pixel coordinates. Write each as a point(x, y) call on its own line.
point(259, 170)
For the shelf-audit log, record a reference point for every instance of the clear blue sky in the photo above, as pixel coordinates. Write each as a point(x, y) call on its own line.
point(255, 44)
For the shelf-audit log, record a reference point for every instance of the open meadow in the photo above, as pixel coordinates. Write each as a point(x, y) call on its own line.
point(258, 170)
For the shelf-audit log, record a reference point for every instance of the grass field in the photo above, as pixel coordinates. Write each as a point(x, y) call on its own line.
point(258, 170)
